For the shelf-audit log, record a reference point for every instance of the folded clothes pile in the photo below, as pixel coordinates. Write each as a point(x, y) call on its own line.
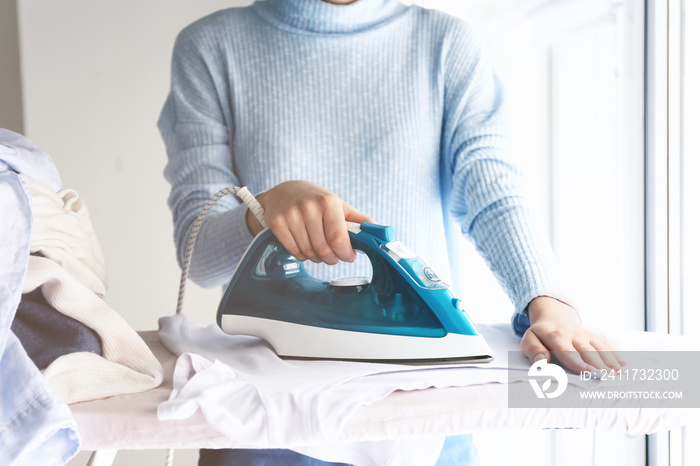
point(59, 340)
point(67, 265)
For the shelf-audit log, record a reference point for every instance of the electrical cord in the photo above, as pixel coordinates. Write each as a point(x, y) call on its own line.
point(246, 197)
point(254, 207)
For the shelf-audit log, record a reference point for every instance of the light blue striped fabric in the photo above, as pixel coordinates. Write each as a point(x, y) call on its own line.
point(36, 427)
point(392, 107)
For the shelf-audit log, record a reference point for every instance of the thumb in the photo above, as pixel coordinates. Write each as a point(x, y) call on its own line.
point(532, 347)
point(354, 215)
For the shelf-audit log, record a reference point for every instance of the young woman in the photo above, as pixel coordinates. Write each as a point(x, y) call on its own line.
point(357, 110)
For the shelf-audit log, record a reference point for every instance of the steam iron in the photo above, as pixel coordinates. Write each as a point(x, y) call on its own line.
point(404, 314)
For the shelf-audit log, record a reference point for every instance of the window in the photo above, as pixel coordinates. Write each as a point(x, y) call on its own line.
point(574, 73)
point(574, 76)
point(672, 192)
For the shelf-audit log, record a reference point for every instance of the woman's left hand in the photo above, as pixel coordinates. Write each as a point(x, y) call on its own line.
point(555, 326)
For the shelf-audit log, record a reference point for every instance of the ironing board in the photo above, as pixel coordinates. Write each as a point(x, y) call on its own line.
point(130, 421)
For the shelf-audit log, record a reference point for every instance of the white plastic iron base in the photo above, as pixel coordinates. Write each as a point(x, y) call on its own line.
point(291, 340)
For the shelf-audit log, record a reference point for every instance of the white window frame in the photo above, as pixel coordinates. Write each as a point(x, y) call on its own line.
point(664, 191)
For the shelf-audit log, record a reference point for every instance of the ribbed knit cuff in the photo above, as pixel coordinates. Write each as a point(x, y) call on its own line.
point(520, 321)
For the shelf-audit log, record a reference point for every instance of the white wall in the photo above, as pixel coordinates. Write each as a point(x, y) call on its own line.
point(10, 80)
point(95, 77)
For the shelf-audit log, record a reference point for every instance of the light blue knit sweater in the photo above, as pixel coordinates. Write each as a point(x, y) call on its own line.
point(393, 108)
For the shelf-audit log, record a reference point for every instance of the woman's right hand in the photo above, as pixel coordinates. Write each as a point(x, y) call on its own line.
point(309, 221)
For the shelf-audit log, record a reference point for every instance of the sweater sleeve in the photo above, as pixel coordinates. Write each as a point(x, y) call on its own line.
point(197, 130)
point(487, 195)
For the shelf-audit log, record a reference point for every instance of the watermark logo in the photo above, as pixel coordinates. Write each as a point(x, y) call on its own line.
point(542, 369)
point(647, 379)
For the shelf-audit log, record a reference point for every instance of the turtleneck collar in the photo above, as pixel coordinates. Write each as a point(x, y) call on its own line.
point(323, 17)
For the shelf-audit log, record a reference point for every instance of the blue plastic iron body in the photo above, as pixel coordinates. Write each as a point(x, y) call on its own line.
point(404, 297)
